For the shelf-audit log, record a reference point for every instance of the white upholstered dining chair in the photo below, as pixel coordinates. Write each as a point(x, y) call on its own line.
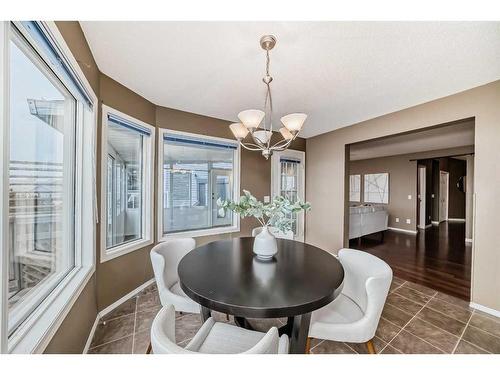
point(354, 315)
point(165, 258)
point(214, 338)
point(275, 232)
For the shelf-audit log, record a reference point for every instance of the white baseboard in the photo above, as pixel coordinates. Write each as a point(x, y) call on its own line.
point(485, 309)
point(435, 223)
point(426, 227)
point(457, 220)
point(126, 297)
point(111, 308)
point(468, 240)
point(91, 335)
point(403, 230)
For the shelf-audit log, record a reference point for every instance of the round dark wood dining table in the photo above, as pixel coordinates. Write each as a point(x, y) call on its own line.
point(226, 276)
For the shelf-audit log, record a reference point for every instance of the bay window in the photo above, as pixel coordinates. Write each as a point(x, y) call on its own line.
point(47, 168)
point(128, 158)
point(195, 171)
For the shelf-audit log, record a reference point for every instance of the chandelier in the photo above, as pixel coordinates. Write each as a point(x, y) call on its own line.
point(251, 119)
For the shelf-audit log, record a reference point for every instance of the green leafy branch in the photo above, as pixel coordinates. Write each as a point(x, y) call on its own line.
point(277, 213)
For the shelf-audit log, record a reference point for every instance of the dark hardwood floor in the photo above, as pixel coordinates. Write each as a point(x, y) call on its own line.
point(437, 257)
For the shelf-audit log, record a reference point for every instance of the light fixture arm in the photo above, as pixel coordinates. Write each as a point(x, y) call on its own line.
point(251, 146)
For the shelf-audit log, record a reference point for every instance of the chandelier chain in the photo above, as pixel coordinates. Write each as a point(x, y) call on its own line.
point(268, 98)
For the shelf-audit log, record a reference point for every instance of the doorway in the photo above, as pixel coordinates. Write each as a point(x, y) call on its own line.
point(444, 181)
point(421, 197)
point(428, 235)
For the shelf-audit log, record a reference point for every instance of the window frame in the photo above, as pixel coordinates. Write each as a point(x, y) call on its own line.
point(301, 183)
point(147, 216)
point(35, 332)
point(236, 188)
point(69, 181)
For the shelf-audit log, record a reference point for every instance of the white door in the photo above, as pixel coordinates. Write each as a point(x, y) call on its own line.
point(288, 180)
point(421, 197)
point(221, 185)
point(443, 195)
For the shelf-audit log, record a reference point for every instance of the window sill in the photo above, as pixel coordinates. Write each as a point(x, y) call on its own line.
point(124, 249)
point(200, 233)
point(34, 334)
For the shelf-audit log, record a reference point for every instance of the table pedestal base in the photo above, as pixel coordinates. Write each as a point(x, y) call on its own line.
point(300, 331)
point(205, 313)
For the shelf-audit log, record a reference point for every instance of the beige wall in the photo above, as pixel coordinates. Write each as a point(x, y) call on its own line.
point(74, 330)
point(326, 170)
point(402, 182)
point(119, 276)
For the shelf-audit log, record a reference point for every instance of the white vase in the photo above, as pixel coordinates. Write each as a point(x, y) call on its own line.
point(264, 245)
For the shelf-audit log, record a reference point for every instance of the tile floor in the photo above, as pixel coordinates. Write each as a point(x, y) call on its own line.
point(416, 319)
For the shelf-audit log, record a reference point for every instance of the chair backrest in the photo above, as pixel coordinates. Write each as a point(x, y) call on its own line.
point(163, 333)
point(163, 336)
point(275, 232)
point(165, 258)
point(366, 280)
point(269, 344)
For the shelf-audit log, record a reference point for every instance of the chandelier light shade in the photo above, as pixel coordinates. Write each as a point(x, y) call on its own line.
point(286, 133)
point(239, 131)
point(263, 136)
point(251, 118)
point(259, 123)
point(294, 122)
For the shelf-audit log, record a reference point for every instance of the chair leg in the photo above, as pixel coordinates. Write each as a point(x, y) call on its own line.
point(149, 349)
point(370, 347)
point(308, 345)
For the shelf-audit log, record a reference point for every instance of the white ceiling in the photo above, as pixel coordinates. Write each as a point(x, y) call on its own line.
point(427, 140)
point(339, 73)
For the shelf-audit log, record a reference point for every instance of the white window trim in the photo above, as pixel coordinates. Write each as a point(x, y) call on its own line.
point(276, 181)
point(4, 186)
point(236, 188)
point(35, 333)
point(147, 193)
